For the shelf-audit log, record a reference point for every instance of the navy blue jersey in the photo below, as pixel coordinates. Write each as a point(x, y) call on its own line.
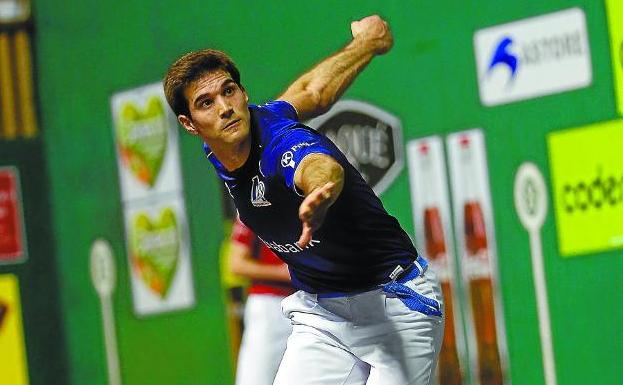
point(358, 245)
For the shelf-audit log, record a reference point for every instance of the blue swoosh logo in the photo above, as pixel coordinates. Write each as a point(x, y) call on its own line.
point(501, 56)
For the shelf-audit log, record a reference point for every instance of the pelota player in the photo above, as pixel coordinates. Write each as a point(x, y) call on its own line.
point(367, 311)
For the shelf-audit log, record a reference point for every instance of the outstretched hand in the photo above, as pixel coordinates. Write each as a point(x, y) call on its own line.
point(375, 31)
point(313, 210)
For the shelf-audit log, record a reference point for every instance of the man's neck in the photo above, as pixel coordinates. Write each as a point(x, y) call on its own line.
point(233, 157)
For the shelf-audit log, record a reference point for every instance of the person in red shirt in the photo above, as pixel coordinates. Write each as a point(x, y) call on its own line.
point(266, 329)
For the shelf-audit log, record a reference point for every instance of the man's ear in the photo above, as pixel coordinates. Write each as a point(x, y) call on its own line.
point(188, 124)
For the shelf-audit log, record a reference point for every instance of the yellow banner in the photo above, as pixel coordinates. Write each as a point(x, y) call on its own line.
point(587, 176)
point(13, 367)
point(615, 23)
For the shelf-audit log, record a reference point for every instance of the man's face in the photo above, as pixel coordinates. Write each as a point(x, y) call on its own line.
point(218, 109)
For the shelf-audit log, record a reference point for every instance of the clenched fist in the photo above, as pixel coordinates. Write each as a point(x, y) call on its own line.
point(373, 31)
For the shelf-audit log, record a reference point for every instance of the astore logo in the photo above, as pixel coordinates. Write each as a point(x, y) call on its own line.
point(503, 56)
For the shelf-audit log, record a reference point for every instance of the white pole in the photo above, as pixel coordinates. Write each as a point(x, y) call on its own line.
point(530, 196)
point(103, 275)
point(538, 272)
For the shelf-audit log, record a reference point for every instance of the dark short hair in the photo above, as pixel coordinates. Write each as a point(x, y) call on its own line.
point(191, 67)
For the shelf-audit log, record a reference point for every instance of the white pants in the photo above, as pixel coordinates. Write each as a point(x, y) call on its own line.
point(266, 331)
point(368, 338)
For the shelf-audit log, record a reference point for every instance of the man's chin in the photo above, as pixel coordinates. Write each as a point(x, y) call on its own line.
point(236, 136)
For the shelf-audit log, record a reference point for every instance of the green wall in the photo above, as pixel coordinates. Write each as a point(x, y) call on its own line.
point(87, 50)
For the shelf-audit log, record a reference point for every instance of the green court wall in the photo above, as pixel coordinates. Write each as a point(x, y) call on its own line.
point(88, 50)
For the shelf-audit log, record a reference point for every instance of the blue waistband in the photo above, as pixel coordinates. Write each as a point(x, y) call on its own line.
point(409, 297)
point(419, 267)
point(415, 269)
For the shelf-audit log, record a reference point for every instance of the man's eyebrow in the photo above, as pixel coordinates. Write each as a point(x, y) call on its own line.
point(205, 95)
point(201, 98)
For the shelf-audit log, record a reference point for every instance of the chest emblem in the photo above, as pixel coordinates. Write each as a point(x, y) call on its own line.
point(258, 189)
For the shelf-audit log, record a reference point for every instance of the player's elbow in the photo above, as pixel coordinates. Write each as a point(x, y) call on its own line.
point(314, 102)
point(321, 99)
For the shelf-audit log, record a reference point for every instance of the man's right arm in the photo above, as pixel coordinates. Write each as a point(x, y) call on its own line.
point(317, 90)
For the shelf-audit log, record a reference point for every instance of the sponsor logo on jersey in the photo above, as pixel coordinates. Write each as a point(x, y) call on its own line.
point(287, 159)
point(258, 190)
point(289, 247)
point(297, 147)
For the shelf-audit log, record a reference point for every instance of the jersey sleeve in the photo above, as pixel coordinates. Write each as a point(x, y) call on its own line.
point(294, 146)
point(282, 108)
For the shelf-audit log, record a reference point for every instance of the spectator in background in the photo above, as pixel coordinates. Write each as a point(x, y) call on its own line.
point(266, 330)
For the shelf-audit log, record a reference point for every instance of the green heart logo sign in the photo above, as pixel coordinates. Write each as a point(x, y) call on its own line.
point(142, 139)
point(155, 250)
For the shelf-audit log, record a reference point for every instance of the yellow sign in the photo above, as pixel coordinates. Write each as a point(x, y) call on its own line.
point(615, 23)
point(587, 176)
point(13, 367)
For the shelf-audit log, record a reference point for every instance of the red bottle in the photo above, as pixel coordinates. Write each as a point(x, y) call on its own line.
point(448, 365)
point(479, 277)
point(449, 369)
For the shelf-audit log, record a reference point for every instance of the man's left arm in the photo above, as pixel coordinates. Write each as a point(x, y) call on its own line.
point(321, 179)
point(317, 90)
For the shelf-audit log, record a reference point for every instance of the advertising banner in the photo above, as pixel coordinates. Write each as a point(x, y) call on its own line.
point(12, 234)
point(159, 255)
point(13, 365)
point(475, 239)
point(587, 177)
point(615, 24)
point(370, 137)
point(146, 139)
point(533, 57)
point(433, 235)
